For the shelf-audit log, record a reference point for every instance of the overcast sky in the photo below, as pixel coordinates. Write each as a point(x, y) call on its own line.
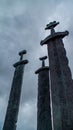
point(22, 24)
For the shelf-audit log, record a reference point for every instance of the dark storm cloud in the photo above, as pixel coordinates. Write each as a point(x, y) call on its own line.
point(22, 26)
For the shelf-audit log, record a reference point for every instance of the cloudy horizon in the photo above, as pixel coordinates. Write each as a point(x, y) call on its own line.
point(22, 24)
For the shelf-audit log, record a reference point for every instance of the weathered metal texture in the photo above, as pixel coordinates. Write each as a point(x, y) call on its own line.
point(60, 75)
point(61, 84)
point(14, 98)
point(43, 103)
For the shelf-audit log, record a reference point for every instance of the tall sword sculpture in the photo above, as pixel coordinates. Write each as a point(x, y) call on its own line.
point(43, 105)
point(61, 79)
point(14, 98)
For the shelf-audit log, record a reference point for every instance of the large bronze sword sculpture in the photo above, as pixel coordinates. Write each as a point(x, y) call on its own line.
point(61, 79)
point(43, 105)
point(14, 98)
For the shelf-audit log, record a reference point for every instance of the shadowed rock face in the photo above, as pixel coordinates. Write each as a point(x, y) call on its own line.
point(14, 98)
